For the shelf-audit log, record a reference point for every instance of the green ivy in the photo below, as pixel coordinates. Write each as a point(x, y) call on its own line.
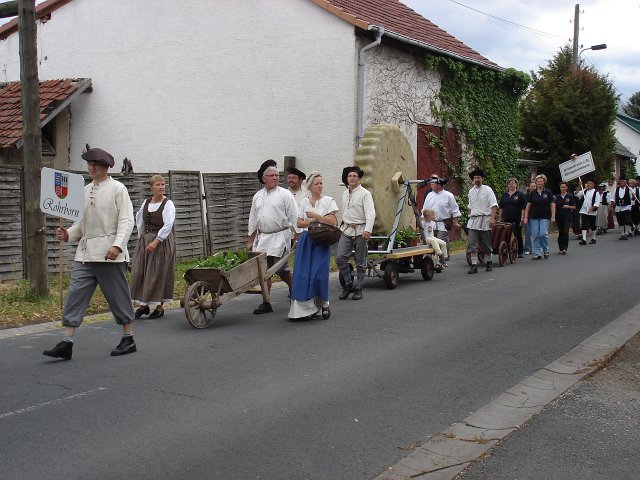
point(482, 105)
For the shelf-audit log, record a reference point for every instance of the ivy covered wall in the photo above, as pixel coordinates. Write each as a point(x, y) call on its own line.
point(482, 105)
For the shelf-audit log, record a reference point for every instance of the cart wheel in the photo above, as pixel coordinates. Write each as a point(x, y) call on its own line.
point(513, 250)
point(427, 269)
point(391, 275)
point(342, 282)
point(481, 260)
point(199, 305)
point(503, 253)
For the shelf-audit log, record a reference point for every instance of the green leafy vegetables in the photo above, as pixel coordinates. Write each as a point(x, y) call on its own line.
point(224, 260)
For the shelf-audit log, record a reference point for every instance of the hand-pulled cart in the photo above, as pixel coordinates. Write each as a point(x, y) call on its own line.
point(503, 244)
point(387, 261)
point(208, 287)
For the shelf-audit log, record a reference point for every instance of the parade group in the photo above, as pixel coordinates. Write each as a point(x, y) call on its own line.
point(279, 220)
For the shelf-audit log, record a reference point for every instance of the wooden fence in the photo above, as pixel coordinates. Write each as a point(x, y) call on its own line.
point(212, 213)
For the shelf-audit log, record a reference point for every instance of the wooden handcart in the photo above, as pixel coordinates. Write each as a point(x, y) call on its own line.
point(209, 288)
point(503, 244)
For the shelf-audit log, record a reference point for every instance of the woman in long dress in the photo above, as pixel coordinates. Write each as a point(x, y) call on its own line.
point(310, 291)
point(153, 268)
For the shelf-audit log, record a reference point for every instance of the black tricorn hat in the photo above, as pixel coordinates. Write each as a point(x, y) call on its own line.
point(347, 170)
point(478, 172)
point(266, 164)
point(295, 171)
point(99, 156)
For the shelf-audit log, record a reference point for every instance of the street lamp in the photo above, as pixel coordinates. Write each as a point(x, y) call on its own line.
point(600, 46)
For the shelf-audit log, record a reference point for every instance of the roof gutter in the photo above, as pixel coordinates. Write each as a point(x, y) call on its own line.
point(441, 51)
point(362, 61)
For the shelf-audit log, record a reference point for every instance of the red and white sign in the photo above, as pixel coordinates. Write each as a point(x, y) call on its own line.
point(62, 194)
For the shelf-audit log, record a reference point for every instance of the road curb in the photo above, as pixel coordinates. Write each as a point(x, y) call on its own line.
point(447, 454)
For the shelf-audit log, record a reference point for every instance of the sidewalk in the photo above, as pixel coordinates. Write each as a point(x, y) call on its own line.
point(591, 432)
point(577, 418)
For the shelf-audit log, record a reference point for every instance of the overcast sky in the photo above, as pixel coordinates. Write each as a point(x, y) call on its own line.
point(614, 22)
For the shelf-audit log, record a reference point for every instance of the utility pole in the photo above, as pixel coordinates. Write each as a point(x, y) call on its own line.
point(576, 34)
point(36, 253)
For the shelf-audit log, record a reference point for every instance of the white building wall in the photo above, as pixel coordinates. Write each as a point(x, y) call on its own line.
point(216, 86)
point(628, 137)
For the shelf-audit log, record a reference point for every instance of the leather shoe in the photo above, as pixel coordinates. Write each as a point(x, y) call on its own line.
point(126, 346)
point(62, 350)
point(357, 294)
point(157, 313)
point(473, 269)
point(142, 310)
point(489, 266)
point(348, 290)
point(263, 308)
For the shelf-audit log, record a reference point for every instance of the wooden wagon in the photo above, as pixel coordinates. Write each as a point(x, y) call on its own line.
point(503, 244)
point(209, 288)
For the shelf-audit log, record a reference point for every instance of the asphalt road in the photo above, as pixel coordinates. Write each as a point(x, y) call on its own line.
point(258, 397)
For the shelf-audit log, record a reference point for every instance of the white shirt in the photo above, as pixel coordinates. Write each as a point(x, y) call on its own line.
point(444, 204)
point(272, 215)
point(589, 201)
point(621, 193)
point(168, 217)
point(107, 222)
point(300, 194)
point(429, 228)
point(481, 201)
point(358, 212)
point(323, 206)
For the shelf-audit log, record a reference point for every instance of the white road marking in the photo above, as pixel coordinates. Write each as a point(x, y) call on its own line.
point(52, 402)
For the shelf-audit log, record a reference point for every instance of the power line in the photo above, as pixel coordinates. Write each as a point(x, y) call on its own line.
point(509, 22)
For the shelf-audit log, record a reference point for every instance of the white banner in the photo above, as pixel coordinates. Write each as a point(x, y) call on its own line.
point(577, 167)
point(62, 194)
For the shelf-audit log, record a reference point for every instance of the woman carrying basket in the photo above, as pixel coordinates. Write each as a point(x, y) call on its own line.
point(310, 291)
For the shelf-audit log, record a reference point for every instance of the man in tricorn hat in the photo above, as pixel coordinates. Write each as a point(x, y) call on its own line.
point(445, 206)
point(482, 218)
point(101, 257)
point(622, 201)
point(295, 180)
point(273, 212)
point(358, 215)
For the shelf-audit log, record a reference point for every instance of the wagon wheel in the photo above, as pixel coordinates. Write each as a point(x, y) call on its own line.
point(200, 304)
point(513, 250)
point(391, 275)
point(342, 282)
point(427, 268)
point(503, 253)
point(481, 260)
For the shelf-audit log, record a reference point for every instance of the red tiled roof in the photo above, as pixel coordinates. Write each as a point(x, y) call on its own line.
point(402, 21)
point(52, 94)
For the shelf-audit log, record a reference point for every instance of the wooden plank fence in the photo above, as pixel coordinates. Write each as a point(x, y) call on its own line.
point(202, 227)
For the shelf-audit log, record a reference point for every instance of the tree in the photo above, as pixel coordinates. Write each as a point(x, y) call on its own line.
point(632, 108)
point(569, 110)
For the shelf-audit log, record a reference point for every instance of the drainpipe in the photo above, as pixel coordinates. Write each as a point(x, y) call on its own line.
point(378, 31)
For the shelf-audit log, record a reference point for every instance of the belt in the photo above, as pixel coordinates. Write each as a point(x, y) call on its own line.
point(275, 231)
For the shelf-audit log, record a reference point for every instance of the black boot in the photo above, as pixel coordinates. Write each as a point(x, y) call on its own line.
point(357, 294)
point(126, 346)
point(62, 350)
point(489, 266)
point(264, 307)
point(346, 291)
point(473, 269)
